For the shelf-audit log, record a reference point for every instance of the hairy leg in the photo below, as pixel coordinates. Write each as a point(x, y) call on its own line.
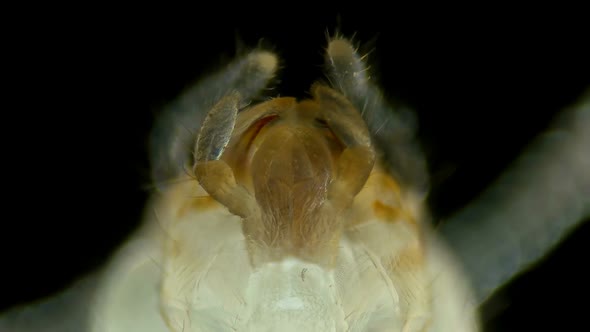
point(215, 175)
point(172, 139)
point(392, 128)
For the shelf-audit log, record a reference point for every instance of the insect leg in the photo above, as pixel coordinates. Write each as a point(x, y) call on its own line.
point(215, 175)
point(174, 133)
point(542, 197)
point(392, 129)
point(357, 160)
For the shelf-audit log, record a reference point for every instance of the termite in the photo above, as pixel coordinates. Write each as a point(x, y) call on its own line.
point(310, 215)
point(289, 216)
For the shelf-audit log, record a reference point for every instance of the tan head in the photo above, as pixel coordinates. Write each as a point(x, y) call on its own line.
point(292, 161)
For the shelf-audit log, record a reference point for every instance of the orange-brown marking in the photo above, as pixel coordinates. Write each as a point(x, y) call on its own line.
point(201, 203)
point(386, 212)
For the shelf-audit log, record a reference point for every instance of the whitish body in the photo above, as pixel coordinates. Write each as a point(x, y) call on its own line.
point(288, 220)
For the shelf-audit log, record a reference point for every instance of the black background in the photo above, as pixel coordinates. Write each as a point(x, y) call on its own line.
point(86, 85)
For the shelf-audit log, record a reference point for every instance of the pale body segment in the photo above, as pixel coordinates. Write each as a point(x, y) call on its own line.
point(289, 221)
